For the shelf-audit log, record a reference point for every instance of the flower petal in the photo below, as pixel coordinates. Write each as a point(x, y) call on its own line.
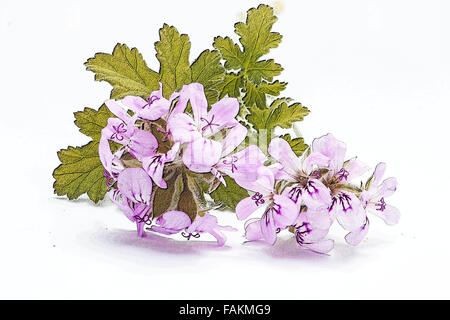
point(234, 138)
point(334, 149)
point(246, 207)
point(135, 184)
point(268, 229)
point(221, 115)
point(286, 212)
point(142, 144)
point(281, 151)
point(172, 222)
point(322, 246)
point(117, 110)
point(390, 214)
point(182, 128)
point(356, 236)
point(253, 230)
point(355, 168)
point(202, 154)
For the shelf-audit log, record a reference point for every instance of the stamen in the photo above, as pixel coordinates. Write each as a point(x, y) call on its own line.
point(189, 235)
point(119, 131)
point(342, 174)
point(381, 205)
point(167, 133)
point(258, 198)
point(209, 124)
point(150, 100)
point(231, 162)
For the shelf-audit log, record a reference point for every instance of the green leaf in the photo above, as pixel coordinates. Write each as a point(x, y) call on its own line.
point(230, 52)
point(254, 96)
point(254, 79)
point(208, 70)
point(91, 121)
point(172, 51)
point(230, 86)
point(297, 144)
point(125, 70)
point(230, 195)
point(255, 34)
point(279, 114)
point(80, 172)
point(265, 69)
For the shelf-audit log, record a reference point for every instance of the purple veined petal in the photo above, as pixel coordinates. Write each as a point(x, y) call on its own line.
point(218, 176)
point(142, 144)
point(279, 173)
point(355, 168)
point(182, 128)
point(171, 222)
point(285, 211)
point(315, 160)
point(281, 151)
point(268, 228)
point(105, 154)
point(348, 210)
point(295, 193)
point(135, 184)
point(253, 230)
point(385, 189)
point(221, 114)
point(134, 103)
point(248, 205)
point(118, 110)
point(264, 183)
point(356, 236)
point(154, 166)
point(389, 214)
point(202, 154)
point(316, 195)
point(122, 203)
point(332, 148)
point(234, 138)
point(322, 246)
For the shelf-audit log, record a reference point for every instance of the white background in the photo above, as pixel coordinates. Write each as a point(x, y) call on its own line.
point(374, 73)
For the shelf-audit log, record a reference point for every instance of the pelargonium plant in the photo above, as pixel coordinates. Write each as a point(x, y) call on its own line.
point(172, 147)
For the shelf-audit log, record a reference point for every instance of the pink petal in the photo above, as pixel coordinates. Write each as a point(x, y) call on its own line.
point(117, 110)
point(182, 128)
point(286, 213)
point(234, 138)
point(246, 207)
point(105, 154)
point(268, 229)
point(172, 222)
point(386, 188)
point(142, 144)
point(378, 173)
point(264, 183)
point(356, 236)
point(202, 154)
point(135, 184)
point(355, 168)
point(334, 149)
point(253, 230)
point(322, 246)
point(281, 151)
point(349, 213)
point(194, 93)
point(315, 160)
point(221, 114)
point(390, 214)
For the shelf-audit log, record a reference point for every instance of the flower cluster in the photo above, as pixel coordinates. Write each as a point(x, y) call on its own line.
point(157, 143)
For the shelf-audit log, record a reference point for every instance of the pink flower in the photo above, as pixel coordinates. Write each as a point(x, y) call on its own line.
point(172, 222)
point(280, 211)
point(133, 196)
point(202, 152)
